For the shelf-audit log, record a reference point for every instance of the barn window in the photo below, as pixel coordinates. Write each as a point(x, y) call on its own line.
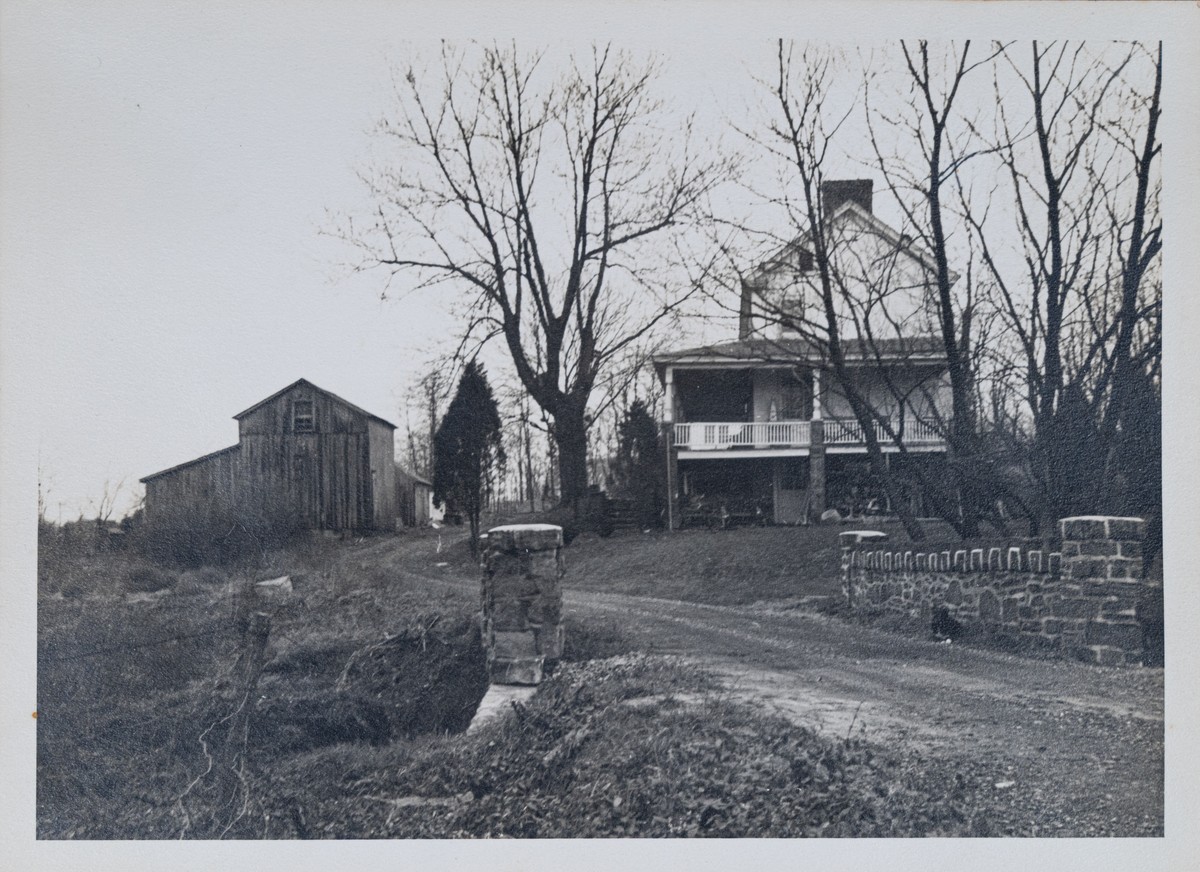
point(302, 416)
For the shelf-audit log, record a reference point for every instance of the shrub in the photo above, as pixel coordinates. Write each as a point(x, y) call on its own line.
point(221, 533)
point(63, 552)
point(642, 746)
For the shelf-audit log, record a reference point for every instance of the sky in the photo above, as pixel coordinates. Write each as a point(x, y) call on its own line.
point(165, 169)
point(166, 175)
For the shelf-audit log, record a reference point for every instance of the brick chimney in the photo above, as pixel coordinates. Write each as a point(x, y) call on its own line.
point(836, 192)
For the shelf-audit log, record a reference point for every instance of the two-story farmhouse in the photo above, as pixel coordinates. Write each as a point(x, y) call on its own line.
point(326, 460)
point(761, 427)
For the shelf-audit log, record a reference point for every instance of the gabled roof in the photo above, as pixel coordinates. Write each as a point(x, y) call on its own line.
point(319, 390)
point(409, 476)
point(183, 466)
point(884, 230)
point(792, 351)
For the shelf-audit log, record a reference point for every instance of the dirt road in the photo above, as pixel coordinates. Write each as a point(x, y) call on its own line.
point(1062, 749)
point(1069, 750)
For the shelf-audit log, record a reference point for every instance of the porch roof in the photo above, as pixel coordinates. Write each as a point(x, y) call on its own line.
point(923, 349)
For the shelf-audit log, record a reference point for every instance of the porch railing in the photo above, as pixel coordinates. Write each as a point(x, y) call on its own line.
point(703, 435)
point(716, 435)
point(847, 431)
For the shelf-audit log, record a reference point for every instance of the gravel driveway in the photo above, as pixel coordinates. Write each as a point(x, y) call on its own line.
point(1062, 749)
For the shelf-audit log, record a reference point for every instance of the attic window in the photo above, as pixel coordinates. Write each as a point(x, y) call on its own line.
point(302, 416)
point(805, 261)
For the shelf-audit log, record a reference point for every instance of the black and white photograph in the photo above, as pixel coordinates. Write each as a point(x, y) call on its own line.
point(727, 434)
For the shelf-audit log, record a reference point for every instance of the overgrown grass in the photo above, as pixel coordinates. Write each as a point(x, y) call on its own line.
point(129, 683)
point(220, 532)
point(727, 567)
point(134, 690)
point(629, 746)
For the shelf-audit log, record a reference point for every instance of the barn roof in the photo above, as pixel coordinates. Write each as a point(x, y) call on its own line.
point(330, 394)
point(183, 466)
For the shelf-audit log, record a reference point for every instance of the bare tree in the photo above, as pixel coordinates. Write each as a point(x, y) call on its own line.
point(556, 200)
point(109, 495)
point(924, 172)
point(838, 294)
point(1084, 177)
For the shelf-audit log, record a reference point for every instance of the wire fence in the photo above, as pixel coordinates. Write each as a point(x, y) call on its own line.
point(97, 652)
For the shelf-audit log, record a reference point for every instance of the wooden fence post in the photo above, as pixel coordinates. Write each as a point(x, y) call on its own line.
point(248, 668)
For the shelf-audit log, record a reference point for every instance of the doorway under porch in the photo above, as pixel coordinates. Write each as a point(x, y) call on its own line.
point(753, 490)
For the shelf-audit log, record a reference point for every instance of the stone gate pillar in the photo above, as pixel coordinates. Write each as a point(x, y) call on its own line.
point(1102, 565)
point(522, 601)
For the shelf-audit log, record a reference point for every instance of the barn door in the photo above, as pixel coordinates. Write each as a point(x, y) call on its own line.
point(304, 485)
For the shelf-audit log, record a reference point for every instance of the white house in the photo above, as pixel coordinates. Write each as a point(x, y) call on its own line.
point(760, 428)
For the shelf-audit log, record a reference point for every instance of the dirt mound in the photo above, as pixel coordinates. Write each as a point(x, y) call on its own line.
point(429, 678)
point(289, 726)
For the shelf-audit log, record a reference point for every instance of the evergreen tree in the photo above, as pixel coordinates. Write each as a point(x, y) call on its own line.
point(467, 449)
point(638, 467)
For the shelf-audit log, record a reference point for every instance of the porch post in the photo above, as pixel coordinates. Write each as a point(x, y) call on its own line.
point(669, 395)
point(816, 468)
point(668, 440)
point(816, 453)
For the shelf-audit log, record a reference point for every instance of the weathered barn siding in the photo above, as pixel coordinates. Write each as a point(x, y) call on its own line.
point(324, 476)
point(211, 480)
point(383, 473)
point(325, 473)
point(302, 450)
point(274, 415)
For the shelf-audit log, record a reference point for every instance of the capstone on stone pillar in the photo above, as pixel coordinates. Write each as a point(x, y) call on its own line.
point(522, 601)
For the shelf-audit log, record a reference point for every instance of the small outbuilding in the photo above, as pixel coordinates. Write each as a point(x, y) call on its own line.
point(414, 497)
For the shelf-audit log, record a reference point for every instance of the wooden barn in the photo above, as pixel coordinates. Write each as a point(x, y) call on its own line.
point(302, 448)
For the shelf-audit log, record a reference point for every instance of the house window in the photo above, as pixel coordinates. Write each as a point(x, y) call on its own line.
point(302, 416)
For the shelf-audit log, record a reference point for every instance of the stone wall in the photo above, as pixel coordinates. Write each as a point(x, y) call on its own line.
point(1082, 600)
point(522, 601)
